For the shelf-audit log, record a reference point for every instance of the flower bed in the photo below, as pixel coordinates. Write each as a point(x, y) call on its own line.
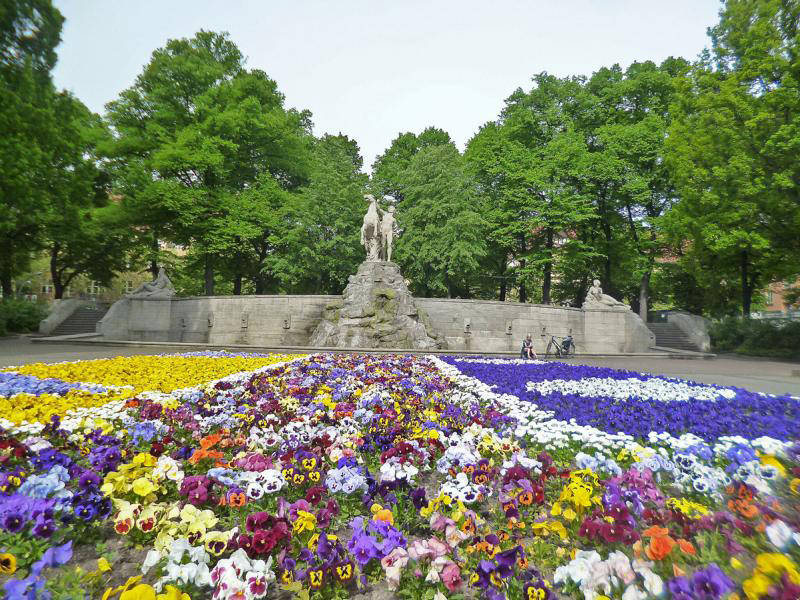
point(32, 394)
point(638, 404)
point(160, 373)
point(329, 476)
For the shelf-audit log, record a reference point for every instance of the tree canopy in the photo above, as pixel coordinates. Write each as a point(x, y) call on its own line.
point(676, 184)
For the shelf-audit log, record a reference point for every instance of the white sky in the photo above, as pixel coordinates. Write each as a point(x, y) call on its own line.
point(374, 68)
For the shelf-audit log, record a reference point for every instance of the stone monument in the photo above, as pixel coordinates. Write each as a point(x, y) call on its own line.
point(160, 288)
point(144, 315)
point(387, 234)
point(371, 230)
point(376, 309)
point(596, 299)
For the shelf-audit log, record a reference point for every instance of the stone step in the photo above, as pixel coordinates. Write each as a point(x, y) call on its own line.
point(83, 320)
point(668, 335)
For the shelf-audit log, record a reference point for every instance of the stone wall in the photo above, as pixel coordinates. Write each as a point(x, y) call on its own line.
point(490, 326)
point(694, 326)
point(220, 320)
point(467, 325)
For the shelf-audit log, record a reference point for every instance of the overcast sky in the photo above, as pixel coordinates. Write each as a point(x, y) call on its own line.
point(374, 68)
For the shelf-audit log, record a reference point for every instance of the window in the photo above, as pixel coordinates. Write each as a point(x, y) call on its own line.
point(47, 288)
point(128, 286)
point(768, 296)
point(93, 288)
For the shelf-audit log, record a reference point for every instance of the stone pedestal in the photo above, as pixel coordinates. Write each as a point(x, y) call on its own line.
point(376, 311)
point(139, 319)
point(614, 331)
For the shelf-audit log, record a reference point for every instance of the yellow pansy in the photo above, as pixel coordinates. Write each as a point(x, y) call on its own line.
point(756, 586)
point(144, 459)
point(140, 592)
point(173, 593)
point(306, 521)
point(143, 487)
point(558, 528)
point(543, 528)
point(123, 588)
point(691, 509)
point(8, 563)
point(775, 563)
point(769, 460)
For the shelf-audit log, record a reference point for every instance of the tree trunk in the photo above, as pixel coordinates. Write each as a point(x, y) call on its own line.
point(55, 275)
point(747, 285)
point(547, 283)
point(237, 284)
point(6, 286)
point(258, 281)
point(548, 269)
point(503, 290)
point(523, 293)
point(607, 234)
point(209, 276)
point(644, 295)
point(154, 256)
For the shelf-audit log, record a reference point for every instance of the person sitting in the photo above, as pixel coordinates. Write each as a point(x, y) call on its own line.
point(527, 349)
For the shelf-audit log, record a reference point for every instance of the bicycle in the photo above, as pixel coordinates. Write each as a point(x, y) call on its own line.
point(564, 348)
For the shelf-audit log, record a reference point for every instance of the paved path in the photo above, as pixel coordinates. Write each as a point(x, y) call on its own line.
point(773, 377)
point(755, 374)
point(20, 351)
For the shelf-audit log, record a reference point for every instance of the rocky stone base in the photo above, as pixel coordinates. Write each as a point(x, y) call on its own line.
point(376, 311)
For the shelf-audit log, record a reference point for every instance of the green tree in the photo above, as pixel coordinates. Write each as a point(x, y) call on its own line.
point(390, 168)
point(320, 246)
point(443, 237)
point(82, 231)
point(627, 127)
point(256, 220)
point(529, 164)
point(733, 148)
point(30, 30)
point(195, 131)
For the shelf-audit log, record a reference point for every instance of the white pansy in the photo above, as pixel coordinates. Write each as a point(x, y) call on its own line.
point(654, 388)
point(780, 534)
point(151, 560)
point(396, 470)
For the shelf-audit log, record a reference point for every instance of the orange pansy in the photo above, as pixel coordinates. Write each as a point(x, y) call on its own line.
point(655, 531)
point(686, 547)
point(659, 547)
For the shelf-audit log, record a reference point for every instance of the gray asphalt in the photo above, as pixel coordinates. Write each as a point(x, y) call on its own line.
point(758, 375)
point(754, 374)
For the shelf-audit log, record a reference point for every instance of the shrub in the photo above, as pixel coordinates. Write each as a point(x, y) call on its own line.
point(20, 316)
point(776, 338)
